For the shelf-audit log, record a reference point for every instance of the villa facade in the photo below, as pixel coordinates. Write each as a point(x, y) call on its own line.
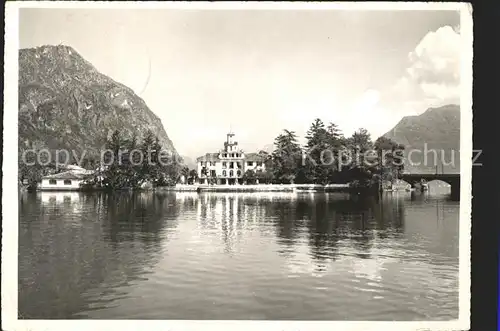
point(228, 165)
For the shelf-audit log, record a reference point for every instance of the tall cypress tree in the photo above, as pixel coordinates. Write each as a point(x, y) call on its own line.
point(287, 157)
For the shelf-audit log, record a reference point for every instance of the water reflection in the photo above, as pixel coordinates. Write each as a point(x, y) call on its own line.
point(71, 243)
point(322, 223)
point(238, 256)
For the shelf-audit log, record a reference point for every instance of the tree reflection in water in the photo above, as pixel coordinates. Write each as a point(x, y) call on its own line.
point(316, 221)
point(84, 252)
point(78, 237)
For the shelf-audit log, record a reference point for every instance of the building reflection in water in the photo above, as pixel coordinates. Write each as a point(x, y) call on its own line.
point(313, 231)
point(82, 252)
point(294, 239)
point(231, 215)
point(77, 249)
point(307, 227)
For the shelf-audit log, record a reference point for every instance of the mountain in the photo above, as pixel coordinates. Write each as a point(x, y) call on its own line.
point(436, 129)
point(65, 103)
point(189, 162)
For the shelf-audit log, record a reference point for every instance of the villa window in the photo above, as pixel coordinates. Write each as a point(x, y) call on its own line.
point(201, 163)
point(67, 182)
point(230, 173)
point(225, 154)
point(52, 181)
point(237, 155)
point(224, 164)
point(231, 165)
point(250, 163)
point(232, 155)
point(238, 164)
point(224, 173)
point(212, 173)
point(238, 173)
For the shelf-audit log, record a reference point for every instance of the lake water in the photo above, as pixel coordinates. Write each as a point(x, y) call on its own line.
point(238, 256)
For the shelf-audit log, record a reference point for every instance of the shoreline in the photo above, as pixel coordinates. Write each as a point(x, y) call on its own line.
point(263, 188)
point(291, 188)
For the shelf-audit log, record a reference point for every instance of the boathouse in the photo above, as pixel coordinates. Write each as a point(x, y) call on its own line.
point(67, 180)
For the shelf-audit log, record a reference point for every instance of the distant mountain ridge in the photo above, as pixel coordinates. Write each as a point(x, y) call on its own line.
point(436, 128)
point(65, 103)
point(189, 162)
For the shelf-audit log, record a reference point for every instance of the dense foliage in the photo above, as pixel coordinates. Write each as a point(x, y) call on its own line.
point(130, 164)
point(329, 157)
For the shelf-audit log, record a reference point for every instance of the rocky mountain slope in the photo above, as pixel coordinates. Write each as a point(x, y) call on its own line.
point(65, 103)
point(436, 129)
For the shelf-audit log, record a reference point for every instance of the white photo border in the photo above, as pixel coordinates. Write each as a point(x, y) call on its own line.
point(9, 270)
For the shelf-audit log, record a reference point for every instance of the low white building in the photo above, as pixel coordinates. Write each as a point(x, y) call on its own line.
point(228, 165)
point(68, 180)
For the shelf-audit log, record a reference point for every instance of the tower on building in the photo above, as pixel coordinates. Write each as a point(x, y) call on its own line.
point(230, 145)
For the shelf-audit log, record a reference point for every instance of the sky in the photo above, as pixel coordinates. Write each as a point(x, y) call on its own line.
point(258, 72)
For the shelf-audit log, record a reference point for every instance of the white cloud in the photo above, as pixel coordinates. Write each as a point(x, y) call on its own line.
point(431, 79)
point(433, 76)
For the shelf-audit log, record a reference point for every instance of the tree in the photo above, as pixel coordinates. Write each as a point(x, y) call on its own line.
point(319, 154)
point(148, 169)
point(204, 172)
point(363, 161)
point(159, 165)
point(193, 176)
point(115, 175)
point(115, 143)
point(335, 136)
point(185, 173)
point(287, 157)
point(361, 140)
point(90, 162)
point(336, 142)
point(131, 161)
point(249, 177)
point(390, 159)
point(30, 168)
point(170, 171)
point(264, 176)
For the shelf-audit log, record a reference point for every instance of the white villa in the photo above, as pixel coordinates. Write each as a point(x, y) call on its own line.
point(228, 165)
point(71, 179)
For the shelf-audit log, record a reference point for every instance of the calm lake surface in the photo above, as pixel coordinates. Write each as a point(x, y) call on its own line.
point(286, 256)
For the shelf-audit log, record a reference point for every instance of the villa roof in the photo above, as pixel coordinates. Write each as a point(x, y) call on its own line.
point(254, 157)
point(208, 157)
point(215, 157)
point(68, 175)
point(72, 167)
